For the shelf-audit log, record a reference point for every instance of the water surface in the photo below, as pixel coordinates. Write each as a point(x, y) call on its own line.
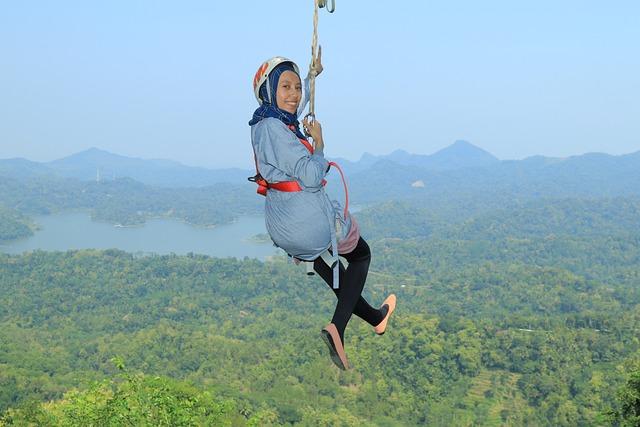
point(76, 230)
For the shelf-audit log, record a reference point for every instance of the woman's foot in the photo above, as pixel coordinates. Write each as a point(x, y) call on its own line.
point(390, 302)
point(336, 350)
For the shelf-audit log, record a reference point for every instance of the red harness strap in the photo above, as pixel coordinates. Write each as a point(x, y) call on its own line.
point(263, 185)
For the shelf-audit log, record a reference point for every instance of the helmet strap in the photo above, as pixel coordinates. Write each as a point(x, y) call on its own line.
point(269, 91)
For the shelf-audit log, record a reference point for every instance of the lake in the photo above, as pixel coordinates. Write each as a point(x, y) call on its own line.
point(76, 230)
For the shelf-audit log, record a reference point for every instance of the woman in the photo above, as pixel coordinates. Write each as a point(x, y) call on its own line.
point(299, 216)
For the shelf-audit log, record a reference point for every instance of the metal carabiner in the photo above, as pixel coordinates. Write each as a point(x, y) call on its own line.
point(312, 117)
point(323, 3)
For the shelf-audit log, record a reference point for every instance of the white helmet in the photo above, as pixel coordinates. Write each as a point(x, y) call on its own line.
point(263, 73)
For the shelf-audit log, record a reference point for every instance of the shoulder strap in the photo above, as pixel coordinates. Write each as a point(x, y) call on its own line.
point(303, 141)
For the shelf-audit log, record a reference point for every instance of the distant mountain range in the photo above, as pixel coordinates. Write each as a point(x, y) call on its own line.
point(95, 164)
point(459, 155)
point(458, 169)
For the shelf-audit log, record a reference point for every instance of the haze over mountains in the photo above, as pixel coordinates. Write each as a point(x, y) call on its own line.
point(94, 164)
point(459, 155)
point(458, 169)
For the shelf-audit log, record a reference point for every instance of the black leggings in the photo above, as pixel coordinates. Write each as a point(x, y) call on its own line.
point(352, 281)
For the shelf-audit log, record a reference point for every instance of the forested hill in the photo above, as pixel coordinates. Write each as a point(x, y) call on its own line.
point(529, 315)
point(590, 175)
point(542, 218)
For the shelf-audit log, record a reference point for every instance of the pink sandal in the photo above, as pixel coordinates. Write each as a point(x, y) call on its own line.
point(332, 338)
point(391, 303)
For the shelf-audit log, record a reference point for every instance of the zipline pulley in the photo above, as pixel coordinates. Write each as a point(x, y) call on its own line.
point(323, 3)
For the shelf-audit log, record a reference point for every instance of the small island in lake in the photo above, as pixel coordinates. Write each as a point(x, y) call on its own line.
point(260, 238)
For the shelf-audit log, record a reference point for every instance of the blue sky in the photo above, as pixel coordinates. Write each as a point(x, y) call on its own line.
point(167, 79)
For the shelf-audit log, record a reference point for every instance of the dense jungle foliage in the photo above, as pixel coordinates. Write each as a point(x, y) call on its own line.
point(525, 314)
point(14, 225)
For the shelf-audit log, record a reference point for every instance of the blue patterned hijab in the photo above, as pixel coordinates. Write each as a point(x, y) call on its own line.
point(270, 109)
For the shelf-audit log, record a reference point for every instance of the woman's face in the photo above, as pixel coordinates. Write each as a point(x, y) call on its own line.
point(289, 92)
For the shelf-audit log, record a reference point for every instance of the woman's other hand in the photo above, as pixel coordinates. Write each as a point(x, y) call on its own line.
point(314, 130)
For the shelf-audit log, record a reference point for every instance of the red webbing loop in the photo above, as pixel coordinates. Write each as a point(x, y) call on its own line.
point(346, 190)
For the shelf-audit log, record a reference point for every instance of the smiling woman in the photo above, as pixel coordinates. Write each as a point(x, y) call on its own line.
point(299, 215)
